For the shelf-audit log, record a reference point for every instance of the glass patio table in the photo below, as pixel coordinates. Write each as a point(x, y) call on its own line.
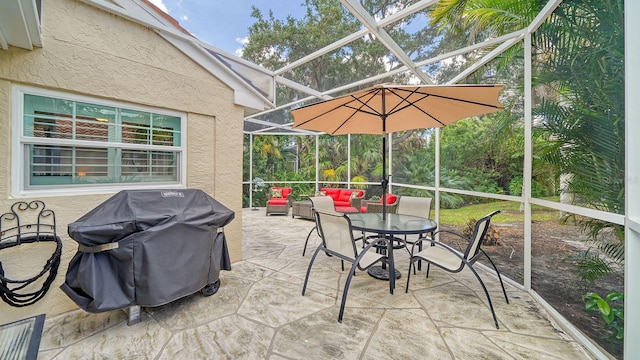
point(394, 224)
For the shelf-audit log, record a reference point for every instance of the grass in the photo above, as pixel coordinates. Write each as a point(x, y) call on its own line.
point(510, 213)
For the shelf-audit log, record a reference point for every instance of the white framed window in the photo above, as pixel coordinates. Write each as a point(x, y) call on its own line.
point(76, 144)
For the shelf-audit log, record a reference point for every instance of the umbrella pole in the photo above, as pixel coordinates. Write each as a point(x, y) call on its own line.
point(383, 117)
point(385, 182)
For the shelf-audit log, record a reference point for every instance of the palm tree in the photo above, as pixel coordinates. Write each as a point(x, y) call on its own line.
point(578, 62)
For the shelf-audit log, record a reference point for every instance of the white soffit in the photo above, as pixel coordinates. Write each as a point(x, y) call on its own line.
point(20, 24)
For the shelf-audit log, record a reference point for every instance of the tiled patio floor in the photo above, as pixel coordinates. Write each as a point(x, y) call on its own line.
point(259, 313)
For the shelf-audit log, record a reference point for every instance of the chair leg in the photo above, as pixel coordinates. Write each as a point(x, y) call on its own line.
point(411, 264)
point(306, 279)
point(499, 277)
point(428, 267)
point(493, 313)
point(346, 290)
point(307, 241)
point(410, 254)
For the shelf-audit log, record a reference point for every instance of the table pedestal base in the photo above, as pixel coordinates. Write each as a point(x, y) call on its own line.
point(381, 273)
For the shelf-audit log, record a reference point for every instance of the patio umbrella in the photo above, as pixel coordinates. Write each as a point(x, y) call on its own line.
point(387, 108)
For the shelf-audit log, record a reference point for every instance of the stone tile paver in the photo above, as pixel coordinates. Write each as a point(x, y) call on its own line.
point(260, 313)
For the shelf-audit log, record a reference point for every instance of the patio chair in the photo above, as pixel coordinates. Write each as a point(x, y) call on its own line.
point(279, 200)
point(337, 240)
point(417, 206)
point(321, 203)
point(375, 206)
point(453, 261)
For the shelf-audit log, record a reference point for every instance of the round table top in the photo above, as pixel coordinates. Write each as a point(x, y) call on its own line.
point(393, 224)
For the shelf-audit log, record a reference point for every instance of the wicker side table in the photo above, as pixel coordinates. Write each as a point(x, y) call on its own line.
point(303, 209)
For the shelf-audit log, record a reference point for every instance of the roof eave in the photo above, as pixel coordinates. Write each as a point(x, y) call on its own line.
point(244, 93)
point(20, 24)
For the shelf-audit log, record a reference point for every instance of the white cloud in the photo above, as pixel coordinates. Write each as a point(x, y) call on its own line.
point(160, 4)
point(388, 64)
point(243, 41)
point(184, 18)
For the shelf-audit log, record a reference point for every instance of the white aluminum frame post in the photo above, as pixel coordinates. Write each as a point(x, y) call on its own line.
point(632, 181)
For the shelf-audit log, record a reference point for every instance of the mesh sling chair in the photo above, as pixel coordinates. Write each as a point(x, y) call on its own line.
point(451, 260)
point(337, 240)
point(417, 206)
point(321, 203)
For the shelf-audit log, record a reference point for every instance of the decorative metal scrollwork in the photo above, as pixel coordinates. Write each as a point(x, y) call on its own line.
point(28, 222)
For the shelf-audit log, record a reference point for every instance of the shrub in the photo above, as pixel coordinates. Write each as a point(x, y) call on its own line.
point(492, 236)
point(611, 308)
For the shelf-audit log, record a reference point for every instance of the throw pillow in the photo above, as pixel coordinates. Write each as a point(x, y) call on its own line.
point(321, 193)
point(355, 194)
point(276, 193)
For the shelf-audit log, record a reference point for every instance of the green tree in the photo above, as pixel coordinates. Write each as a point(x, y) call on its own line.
point(578, 63)
point(275, 43)
point(578, 66)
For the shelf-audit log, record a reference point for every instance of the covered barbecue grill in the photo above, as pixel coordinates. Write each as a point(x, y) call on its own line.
point(147, 248)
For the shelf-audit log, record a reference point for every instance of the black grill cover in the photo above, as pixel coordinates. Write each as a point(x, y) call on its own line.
point(147, 248)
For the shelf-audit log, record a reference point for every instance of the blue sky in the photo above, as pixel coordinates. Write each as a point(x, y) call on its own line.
point(224, 23)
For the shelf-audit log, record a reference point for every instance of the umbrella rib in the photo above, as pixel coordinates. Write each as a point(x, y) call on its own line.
point(418, 91)
point(357, 109)
point(460, 100)
point(373, 111)
point(320, 115)
point(426, 95)
point(404, 99)
point(412, 103)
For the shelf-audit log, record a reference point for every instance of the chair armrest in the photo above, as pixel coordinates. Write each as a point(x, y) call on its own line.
point(356, 202)
point(438, 243)
point(373, 207)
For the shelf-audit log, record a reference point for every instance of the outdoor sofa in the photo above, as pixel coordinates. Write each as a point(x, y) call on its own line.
point(344, 198)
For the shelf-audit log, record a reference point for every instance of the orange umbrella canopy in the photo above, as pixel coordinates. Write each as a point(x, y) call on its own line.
point(386, 108)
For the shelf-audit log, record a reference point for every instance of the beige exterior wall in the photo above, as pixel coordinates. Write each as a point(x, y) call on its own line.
point(92, 53)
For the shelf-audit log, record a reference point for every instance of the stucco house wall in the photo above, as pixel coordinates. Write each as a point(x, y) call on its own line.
point(93, 53)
